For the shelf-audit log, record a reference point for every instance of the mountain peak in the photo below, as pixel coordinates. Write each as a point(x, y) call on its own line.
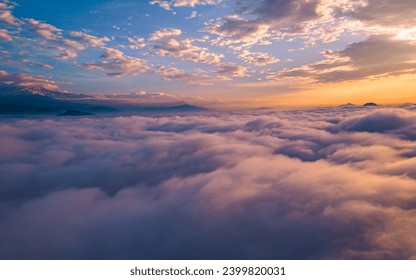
point(12, 89)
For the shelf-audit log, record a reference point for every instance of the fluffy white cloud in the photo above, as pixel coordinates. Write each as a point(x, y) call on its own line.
point(315, 184)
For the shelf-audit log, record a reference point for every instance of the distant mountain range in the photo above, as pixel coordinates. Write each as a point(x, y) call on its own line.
point(10, 90)
point(19, 100)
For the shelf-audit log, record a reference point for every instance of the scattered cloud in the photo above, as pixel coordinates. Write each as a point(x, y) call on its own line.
point(194, 14)
point(47, 31)
point(116, 64)
point(257, 58)
point(136, 43)
point(5, 35)
point(193, 3)
point(163, 33)
point(185, 50)
point(167, 5)
point(199, 77)
point(28, 80)
point(89, 39)
point(231, 70)
point(6, 14)
point(163, 4)
point(388, 13)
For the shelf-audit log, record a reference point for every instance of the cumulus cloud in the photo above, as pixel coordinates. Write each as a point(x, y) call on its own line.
point(167, 5)
point(136, 43)
point(314, 184)
point(263, 22)
point(377, 56)
point(163, 4)
point(165, 32)
point(198, 77)
point(47, 31)
point(257, 58)
point(116, 64)
point(232, 70)
point(6, 14)
point(185, 50)
point(193, 3)
point(257, 21)
point(25, 80)
point(5, 35)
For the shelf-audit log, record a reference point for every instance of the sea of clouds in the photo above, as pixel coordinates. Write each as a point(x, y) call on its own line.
point(329, 183)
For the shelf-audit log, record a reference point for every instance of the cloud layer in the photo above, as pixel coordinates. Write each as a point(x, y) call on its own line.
point(326, 183)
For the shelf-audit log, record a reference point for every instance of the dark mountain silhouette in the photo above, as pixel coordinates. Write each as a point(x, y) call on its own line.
point(9, 90)
point(34, 100)
point(75, 113)
point(370, 104)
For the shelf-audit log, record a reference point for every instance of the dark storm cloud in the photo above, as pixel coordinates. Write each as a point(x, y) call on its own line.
point(325, 183)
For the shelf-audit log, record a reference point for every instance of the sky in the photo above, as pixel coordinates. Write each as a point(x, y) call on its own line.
point(229, 53)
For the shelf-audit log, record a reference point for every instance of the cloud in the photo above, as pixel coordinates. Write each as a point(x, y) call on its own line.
point(165, 32)
point(381, 55)
point(185, 50)
point(387, 121)
point(167, 5)
point(116, 64)
point(388, 13)
point(5, 35)
point(163, 4)
point(194, 14)
point(257, 58)
point(91, 40)
point(215, 185)
point(136, 43)
point(47, 31)
point(193, 3)
point(25, 80)
point(6, 14)
point(255, 22)
point(231, 70)
point(266, 21)
point(66, 54)
point(198, 77)
point(143, 96)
